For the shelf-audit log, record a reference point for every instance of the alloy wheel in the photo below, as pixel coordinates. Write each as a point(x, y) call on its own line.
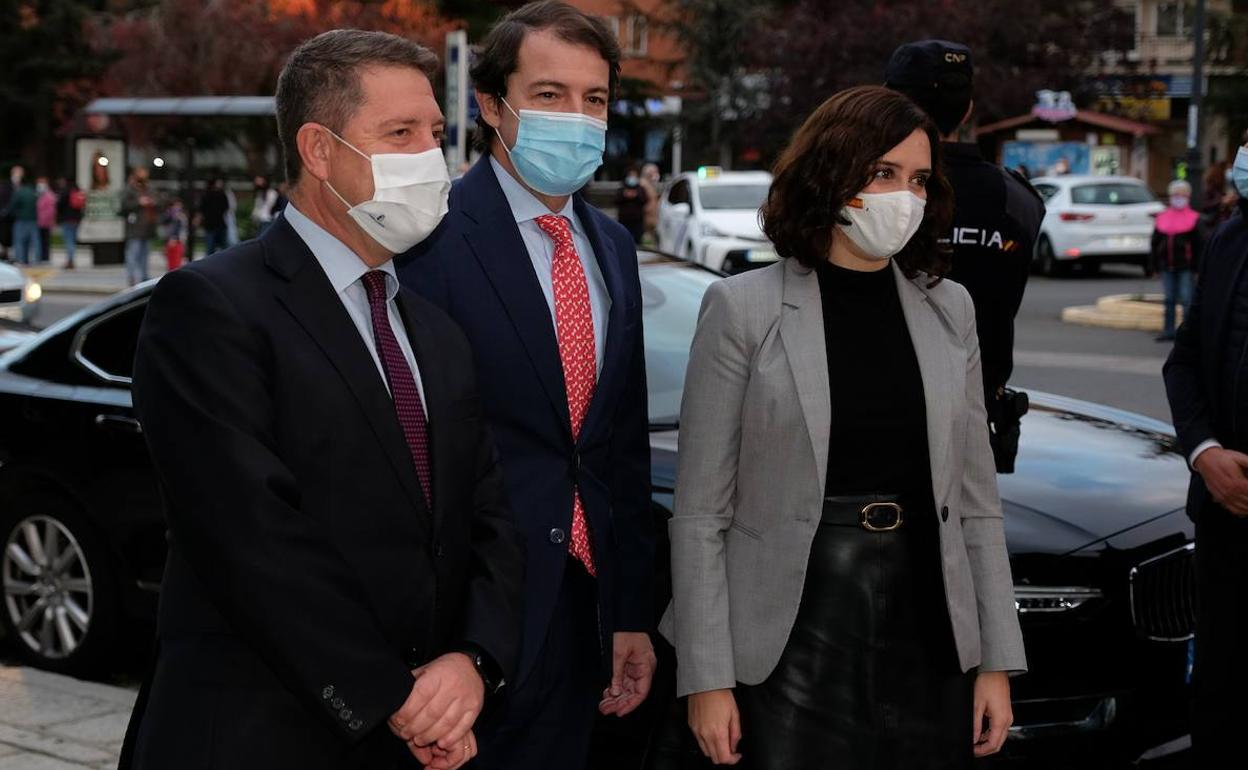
point(48, 592)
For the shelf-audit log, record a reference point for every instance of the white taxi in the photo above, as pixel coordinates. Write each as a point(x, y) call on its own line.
point(711, 217)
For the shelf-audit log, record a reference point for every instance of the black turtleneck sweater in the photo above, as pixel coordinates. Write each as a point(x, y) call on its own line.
point(879, 416)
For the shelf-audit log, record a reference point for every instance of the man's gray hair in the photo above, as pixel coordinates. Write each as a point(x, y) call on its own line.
point(321, 81)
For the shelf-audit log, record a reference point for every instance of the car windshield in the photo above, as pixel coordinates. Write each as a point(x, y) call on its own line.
point(1110, 194)
point(733, 196)
point(671, 295)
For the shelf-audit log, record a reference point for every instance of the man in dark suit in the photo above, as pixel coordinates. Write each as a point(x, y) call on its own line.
point(1207, 383)
point(342, 565)
point(546, 288)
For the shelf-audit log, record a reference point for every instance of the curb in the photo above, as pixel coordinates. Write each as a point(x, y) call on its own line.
point(1137, 312)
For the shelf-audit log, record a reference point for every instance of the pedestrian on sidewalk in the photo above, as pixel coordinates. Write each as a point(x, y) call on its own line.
point(262, 202)
point(630, 204)
point(1206, 376)
point(177, 227)
point(23, 211)
point(138, 206)
point(45, 216)
point(1176, 252)
point(213, 207)
point(651, 180)
point(7, 188)
point(70, 203)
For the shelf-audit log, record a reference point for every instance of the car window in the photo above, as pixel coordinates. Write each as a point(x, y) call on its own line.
point(1047, 191)
point(671, 297)
point(105, 346)
point(1110, 194)
point(679, 192)
point(733, 196)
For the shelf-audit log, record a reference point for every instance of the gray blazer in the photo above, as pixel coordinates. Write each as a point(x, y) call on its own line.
point(754, 435)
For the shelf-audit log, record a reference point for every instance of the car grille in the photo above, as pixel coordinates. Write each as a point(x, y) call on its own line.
point(1163, 595)
point(10, 295)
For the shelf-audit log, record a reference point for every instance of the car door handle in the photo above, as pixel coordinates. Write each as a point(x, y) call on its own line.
point(119, 423)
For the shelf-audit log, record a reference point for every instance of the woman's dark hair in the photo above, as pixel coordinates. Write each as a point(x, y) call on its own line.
point(500, 51)
point(831, 159)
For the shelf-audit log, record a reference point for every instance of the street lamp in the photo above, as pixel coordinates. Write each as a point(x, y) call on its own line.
point(158, 162)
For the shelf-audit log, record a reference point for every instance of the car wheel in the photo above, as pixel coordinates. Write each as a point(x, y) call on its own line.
point(60, 597)
point(1049, 264)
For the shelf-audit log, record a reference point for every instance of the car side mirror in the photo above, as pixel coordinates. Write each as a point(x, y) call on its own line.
point(682, 209)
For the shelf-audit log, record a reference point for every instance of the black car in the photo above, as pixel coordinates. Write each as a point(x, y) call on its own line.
point(1099, 542)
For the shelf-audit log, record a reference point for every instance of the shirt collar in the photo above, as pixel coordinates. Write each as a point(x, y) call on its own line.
point(341, 265)
point(524, 205)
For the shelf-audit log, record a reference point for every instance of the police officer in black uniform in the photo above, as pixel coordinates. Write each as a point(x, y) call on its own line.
point(996, 219)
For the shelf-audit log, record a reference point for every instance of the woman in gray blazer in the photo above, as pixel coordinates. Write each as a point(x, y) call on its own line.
point(842, 593)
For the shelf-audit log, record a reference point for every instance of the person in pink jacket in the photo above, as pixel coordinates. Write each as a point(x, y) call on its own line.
point(45, 216)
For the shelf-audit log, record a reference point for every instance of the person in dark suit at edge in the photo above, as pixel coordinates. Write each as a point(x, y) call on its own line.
point(342, 566)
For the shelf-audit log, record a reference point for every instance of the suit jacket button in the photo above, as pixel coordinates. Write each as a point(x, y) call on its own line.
point(328, 692)
point(558, 536)
point(337, 703)
point(355, 724)
point(345, 715)
point(944, 513)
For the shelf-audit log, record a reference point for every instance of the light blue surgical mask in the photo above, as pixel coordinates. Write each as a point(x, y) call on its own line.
point(556, 153)
point(1239, 172)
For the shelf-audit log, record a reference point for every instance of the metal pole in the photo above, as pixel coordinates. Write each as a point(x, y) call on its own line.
point(1195, 159)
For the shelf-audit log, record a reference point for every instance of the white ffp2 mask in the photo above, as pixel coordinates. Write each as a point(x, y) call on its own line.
point(881, 224)
point(409, 197)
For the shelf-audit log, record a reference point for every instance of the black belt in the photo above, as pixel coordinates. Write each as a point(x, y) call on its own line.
point(874, 513)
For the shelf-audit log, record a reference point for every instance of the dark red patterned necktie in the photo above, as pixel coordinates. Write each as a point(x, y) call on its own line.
point(574, 327)
point(407, 403)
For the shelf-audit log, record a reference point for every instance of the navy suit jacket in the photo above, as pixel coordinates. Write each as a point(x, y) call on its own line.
point(475, 267)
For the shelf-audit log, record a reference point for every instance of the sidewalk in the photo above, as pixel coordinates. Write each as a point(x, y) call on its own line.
point(53, 722)
point(86, 278)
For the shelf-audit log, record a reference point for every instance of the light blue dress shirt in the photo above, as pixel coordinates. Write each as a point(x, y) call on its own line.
point(346, 271)
point(527, 208)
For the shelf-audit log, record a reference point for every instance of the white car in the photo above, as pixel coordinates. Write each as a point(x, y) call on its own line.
point(19, 294)
point(711, 217)
point(1095, 219)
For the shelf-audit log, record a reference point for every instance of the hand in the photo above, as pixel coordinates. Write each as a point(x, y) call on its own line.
point(446, 698)
point(716, 723)
point(992, 700)
point(1223, 472)
point(435, 757)
point(632, 672)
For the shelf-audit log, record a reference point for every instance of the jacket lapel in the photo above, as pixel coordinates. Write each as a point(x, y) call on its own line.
point(310, 298)
point(495, 240)
point(613, 356)
point(801, 332)
point(931, 346)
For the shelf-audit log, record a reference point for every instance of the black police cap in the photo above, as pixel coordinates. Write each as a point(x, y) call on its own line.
point(931, 66)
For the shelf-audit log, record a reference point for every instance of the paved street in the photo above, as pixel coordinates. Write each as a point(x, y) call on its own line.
point(51, 722)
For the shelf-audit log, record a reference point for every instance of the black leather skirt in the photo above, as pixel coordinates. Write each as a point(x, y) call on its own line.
point(869, 678)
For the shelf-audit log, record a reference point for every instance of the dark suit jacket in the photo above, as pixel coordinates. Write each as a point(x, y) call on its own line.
point(306, 574)
point(476, 267)
point(1195, 366)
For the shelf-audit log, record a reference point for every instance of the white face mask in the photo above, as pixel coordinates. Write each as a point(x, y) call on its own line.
point(881, 224)
point(409, 197)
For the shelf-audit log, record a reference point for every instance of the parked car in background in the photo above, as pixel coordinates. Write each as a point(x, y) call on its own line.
point(711, 217)
point(19, 294)
point(1091, 220)
point(1100, 547)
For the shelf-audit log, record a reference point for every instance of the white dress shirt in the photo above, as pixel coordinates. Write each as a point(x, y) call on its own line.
point(346, 271)
point(527, 208)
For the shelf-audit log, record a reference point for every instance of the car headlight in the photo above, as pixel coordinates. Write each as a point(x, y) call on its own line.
point(33, 292)
point(1052, 598)
point(708, 230)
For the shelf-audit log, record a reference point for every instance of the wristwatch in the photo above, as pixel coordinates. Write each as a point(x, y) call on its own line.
point(486, 668)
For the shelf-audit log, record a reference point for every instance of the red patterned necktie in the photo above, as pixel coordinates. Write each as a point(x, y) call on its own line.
point(574, 326)
point(407, 403)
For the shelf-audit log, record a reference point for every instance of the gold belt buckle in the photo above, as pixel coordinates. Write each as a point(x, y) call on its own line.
point(869, 510)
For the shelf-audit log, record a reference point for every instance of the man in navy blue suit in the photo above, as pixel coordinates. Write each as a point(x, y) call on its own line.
point(546, 288)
